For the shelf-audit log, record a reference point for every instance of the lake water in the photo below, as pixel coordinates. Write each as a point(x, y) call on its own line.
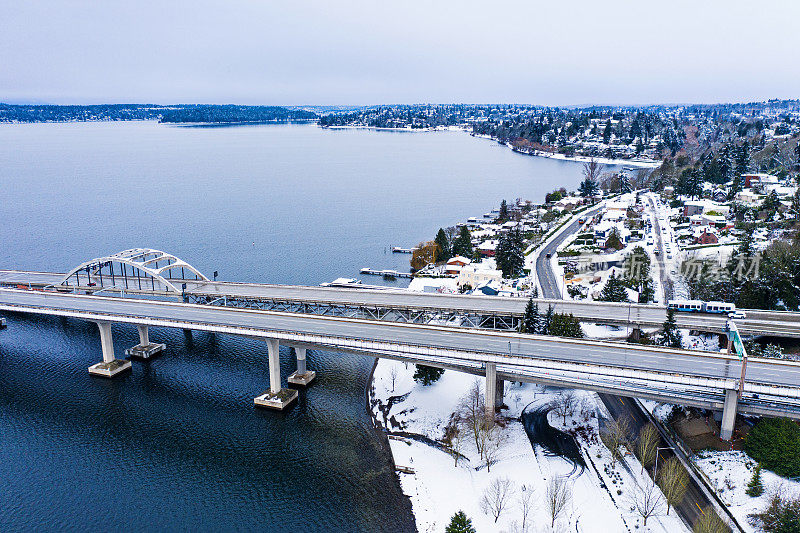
point(177, 444)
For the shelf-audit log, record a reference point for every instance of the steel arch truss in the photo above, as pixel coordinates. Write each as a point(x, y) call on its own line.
point(137, 269)
point(441, 317)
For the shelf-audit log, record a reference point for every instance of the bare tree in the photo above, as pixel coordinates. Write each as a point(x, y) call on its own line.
point(497, 497)
point(492, 441)
point(673, 480)
point(457, 443)
point(393, 374)
point(564, 404)
point(646, 499)
point(591, 170)
point(525, 504)
point(647, 445)
point(472, 411)
point(558, 496)
point(615, 435)
point(710, 522)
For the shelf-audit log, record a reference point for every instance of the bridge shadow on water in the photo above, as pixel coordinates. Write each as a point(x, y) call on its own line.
point(554, 442)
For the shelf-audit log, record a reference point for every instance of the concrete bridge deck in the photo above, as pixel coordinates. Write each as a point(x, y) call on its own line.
point(404, 306)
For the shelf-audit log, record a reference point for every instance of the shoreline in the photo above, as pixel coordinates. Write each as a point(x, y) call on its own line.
point(575, 158)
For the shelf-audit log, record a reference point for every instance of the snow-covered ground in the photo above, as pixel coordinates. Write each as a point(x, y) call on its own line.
point(601, 496)
point(730, 472)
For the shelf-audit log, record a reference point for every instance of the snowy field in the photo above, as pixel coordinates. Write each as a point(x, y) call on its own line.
point(601, 495)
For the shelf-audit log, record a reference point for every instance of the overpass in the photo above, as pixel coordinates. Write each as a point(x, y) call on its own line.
point(701, 379)
point(491, 312)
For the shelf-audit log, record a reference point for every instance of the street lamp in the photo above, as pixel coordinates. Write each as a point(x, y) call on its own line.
point(655, 468)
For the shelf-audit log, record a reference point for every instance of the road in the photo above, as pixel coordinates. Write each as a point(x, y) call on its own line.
point(666, 282)
point(544, 272)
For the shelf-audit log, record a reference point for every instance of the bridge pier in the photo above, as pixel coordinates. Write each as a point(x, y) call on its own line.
point(490, 397)
point(499, 392)
point(111, 366)
point(302, 376)
point(276, 397)
point(729, 414)
point(145, 349)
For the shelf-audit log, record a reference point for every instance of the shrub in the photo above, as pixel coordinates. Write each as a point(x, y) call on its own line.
point(774, 442)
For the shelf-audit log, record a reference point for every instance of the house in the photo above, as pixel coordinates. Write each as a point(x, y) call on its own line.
point(616, 211)
point(713, 220)
point(719, 196)
point(693, 208)
point(475, 275)
point(567, 204)
point(603, 230)
point(707, 236)
point(669, 191)
point(748, 197)
point(487, 248)
point(751, 180)
point(455, 264)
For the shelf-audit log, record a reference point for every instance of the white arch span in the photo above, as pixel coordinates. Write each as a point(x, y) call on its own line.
point(152, 263)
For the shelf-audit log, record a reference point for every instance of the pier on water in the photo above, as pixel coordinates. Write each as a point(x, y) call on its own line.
point(388, 273)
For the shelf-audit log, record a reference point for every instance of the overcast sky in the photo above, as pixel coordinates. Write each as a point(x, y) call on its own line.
point(369, 52)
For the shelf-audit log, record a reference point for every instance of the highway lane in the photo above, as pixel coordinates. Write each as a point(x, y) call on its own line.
point(544, 272)
point(634, 357)
point(666, 283)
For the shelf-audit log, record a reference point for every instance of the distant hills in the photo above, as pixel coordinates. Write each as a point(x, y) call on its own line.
point(175, 114)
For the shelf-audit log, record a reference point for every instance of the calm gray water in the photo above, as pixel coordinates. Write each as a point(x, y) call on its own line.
point(176, 444)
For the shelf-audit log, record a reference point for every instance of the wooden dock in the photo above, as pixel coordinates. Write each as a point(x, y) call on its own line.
point(387, 273)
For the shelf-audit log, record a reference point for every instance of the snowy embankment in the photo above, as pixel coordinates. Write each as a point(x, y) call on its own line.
point(439, 486)
point(730, 472)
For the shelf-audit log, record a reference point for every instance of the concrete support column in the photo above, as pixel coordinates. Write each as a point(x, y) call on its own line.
point(491, 392)
point(499, 391)
point(111, 366)
point(273, 347)
point(145, 349)
point(303, 376)
point(729, 414)
point(106, 341)
point(144, 335)
point(276, 397)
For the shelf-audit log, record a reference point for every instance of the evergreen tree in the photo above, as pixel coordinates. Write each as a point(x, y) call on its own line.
point(460, 524)
point(670, 336)
point(444, 246)
point(588, 187)
point(503, 216)
point(614, 290)
point(427, 374)
point(755, 488)
point(607, 132)
point(544, 327)
point(562, 325)
point(462, 245)
point(531, 320)
point(509, 255)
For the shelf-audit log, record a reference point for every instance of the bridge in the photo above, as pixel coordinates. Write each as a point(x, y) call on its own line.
point(707, 380)
point(490, 312)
